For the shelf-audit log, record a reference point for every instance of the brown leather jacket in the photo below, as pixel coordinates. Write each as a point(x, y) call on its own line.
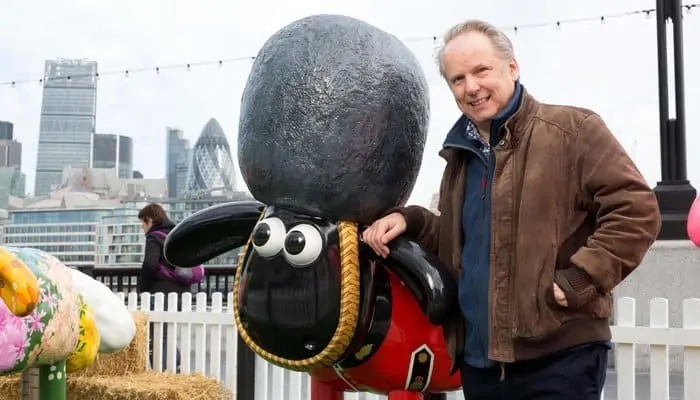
point(568, 206)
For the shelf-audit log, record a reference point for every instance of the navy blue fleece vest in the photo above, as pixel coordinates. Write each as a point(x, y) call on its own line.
point(476, 227)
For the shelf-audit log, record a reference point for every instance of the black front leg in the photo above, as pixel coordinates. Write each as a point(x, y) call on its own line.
point(430, 281)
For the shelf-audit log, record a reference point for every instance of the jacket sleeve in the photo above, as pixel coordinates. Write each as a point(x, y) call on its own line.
point(627, 219)
point(422, 224)
point(149, 267)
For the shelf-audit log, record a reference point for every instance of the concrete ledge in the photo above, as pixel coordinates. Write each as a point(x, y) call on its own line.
point(673, 244)
point(671, 269)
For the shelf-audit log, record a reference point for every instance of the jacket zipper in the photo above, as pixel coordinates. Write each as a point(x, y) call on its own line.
point(502, 366)
point(484, 182)
point(484, 186)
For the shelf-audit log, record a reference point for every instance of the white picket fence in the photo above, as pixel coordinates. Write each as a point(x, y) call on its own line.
point(206, 338)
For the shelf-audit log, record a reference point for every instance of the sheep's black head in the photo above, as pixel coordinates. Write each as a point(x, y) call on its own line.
point(334, 119)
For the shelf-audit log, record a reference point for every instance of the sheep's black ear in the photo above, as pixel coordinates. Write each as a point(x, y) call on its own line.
point(211, 232)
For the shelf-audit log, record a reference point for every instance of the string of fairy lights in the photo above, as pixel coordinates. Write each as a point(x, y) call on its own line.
point(436, 41)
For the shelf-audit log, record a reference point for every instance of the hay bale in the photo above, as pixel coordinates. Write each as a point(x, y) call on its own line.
point(133, 359)
point(146, 386)
point(11, 387)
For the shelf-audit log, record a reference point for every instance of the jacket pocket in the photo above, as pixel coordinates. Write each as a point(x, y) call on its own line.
point(598, 308)
point(535, 308)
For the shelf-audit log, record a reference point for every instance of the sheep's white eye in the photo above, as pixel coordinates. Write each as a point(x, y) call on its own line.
point(268, 237)
point(303, 245)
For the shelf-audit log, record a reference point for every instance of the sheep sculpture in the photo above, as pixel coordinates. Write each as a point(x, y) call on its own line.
point(55, 318)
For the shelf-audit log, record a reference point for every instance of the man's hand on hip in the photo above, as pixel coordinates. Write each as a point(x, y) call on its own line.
point(559, 296)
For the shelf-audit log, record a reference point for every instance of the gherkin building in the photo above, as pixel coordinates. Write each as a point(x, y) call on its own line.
point(211, 166)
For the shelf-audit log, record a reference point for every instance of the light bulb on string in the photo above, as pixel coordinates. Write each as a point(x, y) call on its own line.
point(436, 47)
point(437, 44)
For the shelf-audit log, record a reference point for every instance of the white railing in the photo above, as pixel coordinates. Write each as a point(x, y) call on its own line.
point(206, 338)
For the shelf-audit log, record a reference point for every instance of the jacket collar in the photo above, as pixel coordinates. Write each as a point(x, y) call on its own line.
point(513, 127)
point(526, 111)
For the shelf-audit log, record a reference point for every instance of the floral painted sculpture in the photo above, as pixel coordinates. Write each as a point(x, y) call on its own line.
point(333, 124)
point(48, 320)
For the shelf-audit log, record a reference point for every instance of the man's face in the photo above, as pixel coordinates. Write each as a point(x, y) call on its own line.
point(481, 81)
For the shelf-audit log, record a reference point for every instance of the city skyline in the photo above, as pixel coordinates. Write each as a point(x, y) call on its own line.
point(67, 138)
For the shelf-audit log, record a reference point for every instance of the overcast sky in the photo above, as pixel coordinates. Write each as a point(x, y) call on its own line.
point(610, 68)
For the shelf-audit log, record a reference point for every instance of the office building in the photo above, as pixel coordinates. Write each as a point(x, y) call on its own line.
point(12, 180)
point(10, 149)
point(177, 161)
point(4, 220)
point(65, 222)
point(6, 130)
point(67, 123)
point(211, 168)
point(120, 240)
point(91, 219)
point(12, 184)
point(113, 151)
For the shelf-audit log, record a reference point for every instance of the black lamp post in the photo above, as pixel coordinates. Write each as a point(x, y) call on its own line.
point(674, 192)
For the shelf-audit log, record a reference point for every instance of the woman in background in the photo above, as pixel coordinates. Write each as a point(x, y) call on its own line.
point(156, 226)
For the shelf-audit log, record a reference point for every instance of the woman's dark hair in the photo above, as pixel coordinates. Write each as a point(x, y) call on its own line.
point(153, 212)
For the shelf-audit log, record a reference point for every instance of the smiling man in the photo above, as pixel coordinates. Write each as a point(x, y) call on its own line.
point(542, 214)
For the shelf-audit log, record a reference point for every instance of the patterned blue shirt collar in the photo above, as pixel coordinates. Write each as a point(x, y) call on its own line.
point(472, 133)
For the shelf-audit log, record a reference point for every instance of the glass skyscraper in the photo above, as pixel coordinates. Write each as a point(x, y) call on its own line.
point(211, 169)
point(113, 151)
point(10, 149)
point(177, 161)
point(67, 123)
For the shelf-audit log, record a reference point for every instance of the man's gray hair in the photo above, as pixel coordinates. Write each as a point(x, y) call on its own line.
point(500, 41)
